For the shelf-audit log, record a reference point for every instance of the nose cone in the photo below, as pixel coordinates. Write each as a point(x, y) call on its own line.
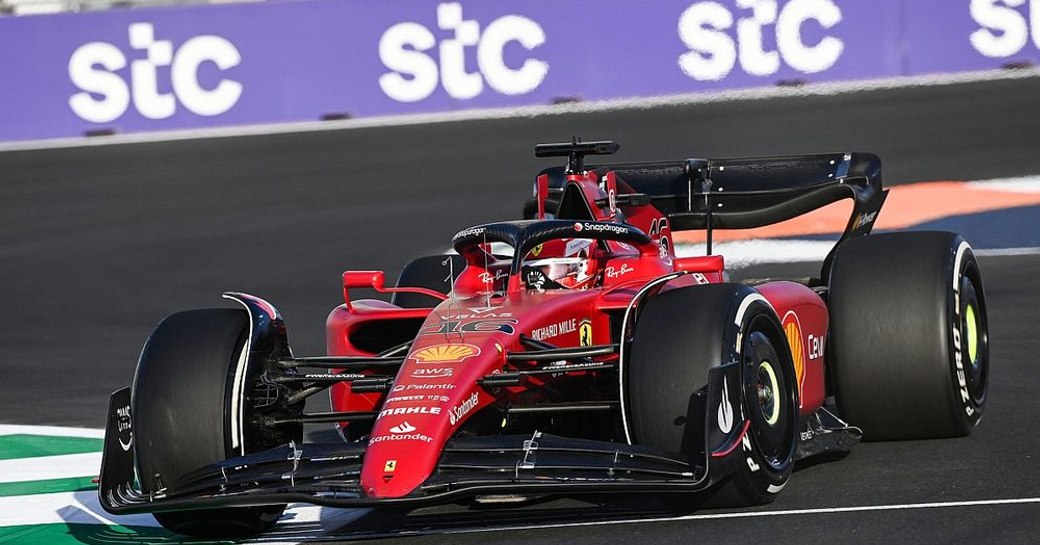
point(435, 391)
point(400, 458)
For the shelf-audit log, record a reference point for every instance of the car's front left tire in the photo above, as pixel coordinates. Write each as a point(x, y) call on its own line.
point(187, 394)
point(680, 337)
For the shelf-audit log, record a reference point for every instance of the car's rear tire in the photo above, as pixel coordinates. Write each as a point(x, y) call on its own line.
point(680, 336)
point(182, 405)
point(909, 346)
point(432, 272)
point(531, 208)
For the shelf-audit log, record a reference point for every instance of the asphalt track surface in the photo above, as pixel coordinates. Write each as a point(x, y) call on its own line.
point(98, 244)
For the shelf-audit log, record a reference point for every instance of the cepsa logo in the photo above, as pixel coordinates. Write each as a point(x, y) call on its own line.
point(1003, 30)
point(706, 28)
point(105, 95)
point(406, 49)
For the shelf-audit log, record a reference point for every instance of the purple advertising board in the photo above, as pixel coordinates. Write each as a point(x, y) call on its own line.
point(198, 66)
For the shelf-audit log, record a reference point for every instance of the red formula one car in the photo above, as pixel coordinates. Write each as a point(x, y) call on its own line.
point(572, 353)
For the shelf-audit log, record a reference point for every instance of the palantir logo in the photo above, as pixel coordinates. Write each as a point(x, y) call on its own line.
point(405, 49)
point(705, 27)
point(105, 95)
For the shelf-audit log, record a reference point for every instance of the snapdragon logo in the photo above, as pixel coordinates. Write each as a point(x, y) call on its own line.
point(405, 49)
point(105, 96)
point(1003, 30)
point(713, 53)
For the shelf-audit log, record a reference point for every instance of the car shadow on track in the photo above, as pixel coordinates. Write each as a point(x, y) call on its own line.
point(356, 524)
point(348, 525)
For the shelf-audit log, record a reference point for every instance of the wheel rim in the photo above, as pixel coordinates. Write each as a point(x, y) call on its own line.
point(972, 329)
point(975, 340)
point(768, 399)
point(767, 390)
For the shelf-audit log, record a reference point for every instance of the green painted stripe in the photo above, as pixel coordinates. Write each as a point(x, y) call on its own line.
point(60, 534)
point(31, 446)
point(74, 484)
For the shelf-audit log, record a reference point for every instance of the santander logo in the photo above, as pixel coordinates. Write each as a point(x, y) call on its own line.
point(405, 427)
point(462, 409)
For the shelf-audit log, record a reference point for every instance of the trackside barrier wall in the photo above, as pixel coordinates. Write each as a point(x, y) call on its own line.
point(156, 69)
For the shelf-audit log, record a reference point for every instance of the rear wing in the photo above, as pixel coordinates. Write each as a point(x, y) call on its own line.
point(754, 192)
point(744, 193)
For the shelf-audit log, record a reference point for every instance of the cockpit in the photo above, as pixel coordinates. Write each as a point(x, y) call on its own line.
point(545, 255)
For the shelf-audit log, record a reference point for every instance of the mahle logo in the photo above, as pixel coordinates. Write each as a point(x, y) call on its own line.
point(407, 50)
point(105, 96)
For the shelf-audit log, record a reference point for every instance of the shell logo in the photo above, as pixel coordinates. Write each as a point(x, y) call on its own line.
point(793, 331)
point(441, 353)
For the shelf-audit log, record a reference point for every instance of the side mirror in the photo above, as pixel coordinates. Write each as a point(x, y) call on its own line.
point(361, 279)
point(377, 281)
point(364, 279)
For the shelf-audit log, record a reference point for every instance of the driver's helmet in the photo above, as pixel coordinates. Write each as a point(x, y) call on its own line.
point(561, 264)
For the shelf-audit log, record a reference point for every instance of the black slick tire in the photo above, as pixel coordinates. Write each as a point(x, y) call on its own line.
point(909, 348)
point(182, 409)
point(432, 272)
point(680, 337)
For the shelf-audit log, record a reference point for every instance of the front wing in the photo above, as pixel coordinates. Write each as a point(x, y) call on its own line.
point(329, 474)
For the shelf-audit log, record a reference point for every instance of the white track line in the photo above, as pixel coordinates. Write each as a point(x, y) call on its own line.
point(642, 103)
point(757, 514)
point(63, 507)
point(54, 431)
point(1023, 184)
point(745, 253)
point(41, 468)
point(1007, 251)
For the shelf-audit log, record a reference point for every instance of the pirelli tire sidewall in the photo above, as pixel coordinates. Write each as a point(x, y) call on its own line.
point(767, 450)
point(968, 332)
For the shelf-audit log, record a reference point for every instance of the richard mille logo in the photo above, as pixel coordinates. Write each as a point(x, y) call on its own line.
point(125, 424)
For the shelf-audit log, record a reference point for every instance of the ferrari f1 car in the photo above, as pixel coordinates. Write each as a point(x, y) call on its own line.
point(570, 353)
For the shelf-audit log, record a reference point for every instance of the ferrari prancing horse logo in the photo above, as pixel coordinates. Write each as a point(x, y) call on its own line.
point(585, 333)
